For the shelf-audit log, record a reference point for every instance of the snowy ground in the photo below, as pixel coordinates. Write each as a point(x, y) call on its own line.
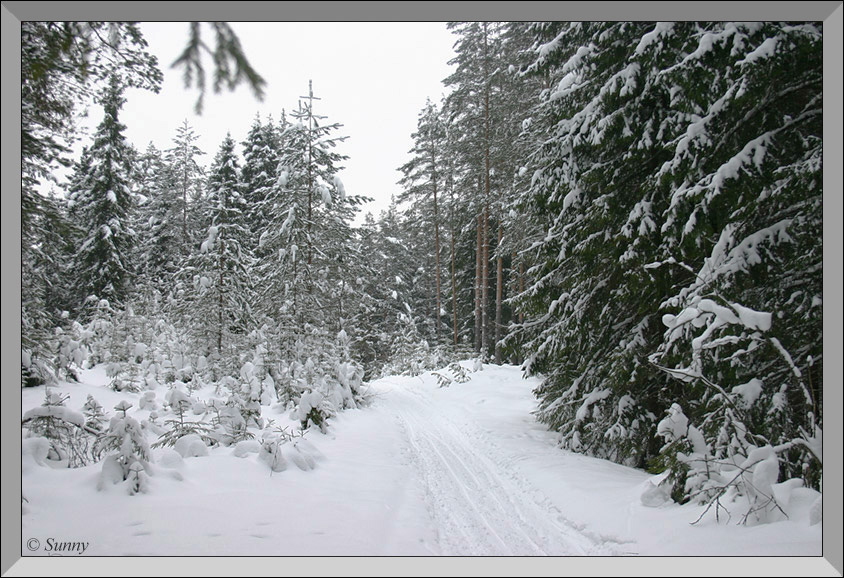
point(456, 471)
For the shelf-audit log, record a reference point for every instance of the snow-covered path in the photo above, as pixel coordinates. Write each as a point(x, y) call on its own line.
point(461, 470)
point(478, 503)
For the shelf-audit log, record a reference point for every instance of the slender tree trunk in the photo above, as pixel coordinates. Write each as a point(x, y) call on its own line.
point(342, 289)
point(298, 326)
point(310, 168)
point(220, 304)
point(310, 200)
point(185, 206)
point(485, 263)
point(453, 288)
point(436, 247)
point(485, 283)
point(478, 256)
point(499, 294)
point(521, 288)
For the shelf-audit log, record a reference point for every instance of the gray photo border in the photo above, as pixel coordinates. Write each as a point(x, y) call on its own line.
point(13, 12)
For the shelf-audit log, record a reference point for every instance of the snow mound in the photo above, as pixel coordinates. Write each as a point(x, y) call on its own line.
point(657, 491)
point(246, 447)
point(191, 446)
point(58, 411)
point(168, 458)
point(34, 450)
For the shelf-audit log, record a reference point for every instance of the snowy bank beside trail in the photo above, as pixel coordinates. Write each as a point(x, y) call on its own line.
point(424, 470)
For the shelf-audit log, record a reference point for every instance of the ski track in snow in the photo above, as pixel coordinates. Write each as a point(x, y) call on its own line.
point(479, 504)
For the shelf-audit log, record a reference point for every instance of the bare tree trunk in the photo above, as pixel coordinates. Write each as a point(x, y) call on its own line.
point(485, 283)
point(453, 288)
point(485, 259)
point(499, 294)
point(220, 304)
point(478, 254)
point(436, 244)
point(521, 288)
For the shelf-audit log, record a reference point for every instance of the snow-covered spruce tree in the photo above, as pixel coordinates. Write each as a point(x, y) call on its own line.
point(104, 206)
point(410, 353)
point(158, 224)
point(591, 311)
point(308, 247)
point(275, 212)
point(47, 299)
point(71, 440)
point(94, 414)
point(128, 453)
point(60, 62)
point(385, 270)
point(189, 176)
point(258, 175)
point(742, 232)
point(217, 277)
point(180, 427)
point(673, 144)
point(71, 354)
point(96, 335)
point(349, 374)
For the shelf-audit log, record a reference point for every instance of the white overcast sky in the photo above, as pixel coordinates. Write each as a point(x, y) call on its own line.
point(372, 77)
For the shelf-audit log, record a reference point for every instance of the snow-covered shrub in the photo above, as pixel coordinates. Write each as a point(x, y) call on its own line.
point(71, 352)
point(97, 332)
point(442, 379)
point(71, 441)
point(262, 366)
point(125, 377)
point(147, 401)
point(179, 427)
point(313, 410)
point(35, 371)
point(253, 387)
point(297, 449)
point(348, 373)
point(271, 453)
point(458, 374)
point(246, 398)
point(412, 354)
point(228, 423)
point(129, 453)
point(94, 414)
point(743, 479)
point(285, 386)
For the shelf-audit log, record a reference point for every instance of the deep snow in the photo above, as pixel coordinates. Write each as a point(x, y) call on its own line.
point(463, 470)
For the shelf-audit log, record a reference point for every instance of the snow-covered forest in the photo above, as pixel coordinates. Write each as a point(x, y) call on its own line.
point(630, 212)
